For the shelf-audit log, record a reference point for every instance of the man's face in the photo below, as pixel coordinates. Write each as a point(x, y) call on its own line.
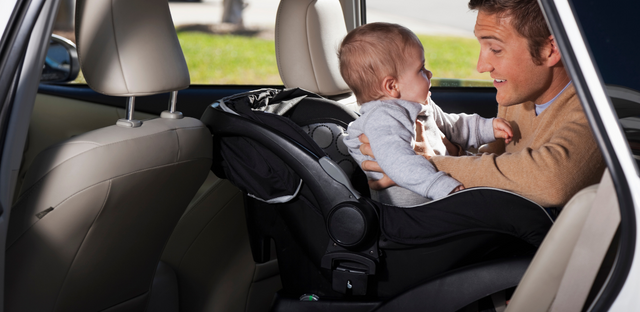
point(505, 55)
point(415, 80)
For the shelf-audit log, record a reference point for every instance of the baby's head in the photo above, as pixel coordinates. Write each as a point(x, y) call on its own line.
point(373, 52)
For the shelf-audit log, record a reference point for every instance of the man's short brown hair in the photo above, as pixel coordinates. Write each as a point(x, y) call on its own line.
point(526, 18)
point(372, 52)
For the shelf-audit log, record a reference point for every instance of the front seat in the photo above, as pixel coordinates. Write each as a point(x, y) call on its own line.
point(95, 211)
point(308, 34)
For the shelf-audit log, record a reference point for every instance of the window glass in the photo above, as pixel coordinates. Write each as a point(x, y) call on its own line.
point(445, 29)
point(611, 33)
point(240, 50)
point(6, 8)
point(228, 42)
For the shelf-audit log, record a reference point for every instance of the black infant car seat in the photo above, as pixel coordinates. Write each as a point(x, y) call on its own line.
point(339, 250)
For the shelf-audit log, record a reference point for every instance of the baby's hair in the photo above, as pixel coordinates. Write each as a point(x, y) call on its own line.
point(372, 52)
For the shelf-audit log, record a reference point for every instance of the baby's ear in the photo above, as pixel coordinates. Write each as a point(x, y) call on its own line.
point(390, 87)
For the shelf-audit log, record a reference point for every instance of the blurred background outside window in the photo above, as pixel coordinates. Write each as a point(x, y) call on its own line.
point(232, 41)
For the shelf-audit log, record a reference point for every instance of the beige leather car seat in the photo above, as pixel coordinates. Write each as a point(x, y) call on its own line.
point(308, 34)
point(540, 287)
point(95, 211)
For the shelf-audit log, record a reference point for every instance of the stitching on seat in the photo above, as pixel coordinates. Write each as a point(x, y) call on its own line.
point(115, 42)
point(118, 142)
point(99, 182)
point(66, 276)
point(114, 177)
point(306, 24)
point(90, 142)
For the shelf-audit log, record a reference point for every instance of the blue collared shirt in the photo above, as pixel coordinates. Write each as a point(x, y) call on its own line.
point(541, 107)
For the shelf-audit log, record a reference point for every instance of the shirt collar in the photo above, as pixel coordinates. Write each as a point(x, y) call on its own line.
point(541, 107)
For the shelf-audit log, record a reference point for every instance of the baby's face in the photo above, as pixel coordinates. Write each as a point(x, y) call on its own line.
point(415, 80)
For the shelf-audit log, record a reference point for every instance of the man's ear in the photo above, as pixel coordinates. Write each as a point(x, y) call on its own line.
point(390, 87)
point(553, 52)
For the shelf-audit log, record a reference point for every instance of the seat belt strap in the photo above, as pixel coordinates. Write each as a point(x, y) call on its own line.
point(592, 245)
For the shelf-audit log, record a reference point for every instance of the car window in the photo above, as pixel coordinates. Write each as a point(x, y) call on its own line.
point(232, 44)
point(614, 47)
point(6, 8)
point(445, 29)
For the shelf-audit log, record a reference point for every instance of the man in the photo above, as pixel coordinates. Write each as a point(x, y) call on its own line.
point(553, 153)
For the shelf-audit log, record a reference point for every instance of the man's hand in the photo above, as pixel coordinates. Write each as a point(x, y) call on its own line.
point(502, 130)
point(422, 147)
point(368, 165)
point(452, 149)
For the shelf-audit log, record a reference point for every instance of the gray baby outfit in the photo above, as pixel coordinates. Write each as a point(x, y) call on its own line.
point(390, 127)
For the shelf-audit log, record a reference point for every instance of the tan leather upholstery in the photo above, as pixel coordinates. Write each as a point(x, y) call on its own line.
point(308, 36)
point(209, 250)
point(540, 283)
point(116, 195)
point(129, 47)
point(96, 210)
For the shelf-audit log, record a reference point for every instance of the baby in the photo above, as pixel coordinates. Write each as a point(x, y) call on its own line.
point(383, 64)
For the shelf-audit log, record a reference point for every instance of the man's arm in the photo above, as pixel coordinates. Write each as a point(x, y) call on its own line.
point(549, 174)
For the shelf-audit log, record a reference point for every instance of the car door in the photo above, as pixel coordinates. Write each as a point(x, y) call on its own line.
point(597, 42)
point(25, 27)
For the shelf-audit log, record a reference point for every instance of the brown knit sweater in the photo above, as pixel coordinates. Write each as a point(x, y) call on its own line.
point(552, 156)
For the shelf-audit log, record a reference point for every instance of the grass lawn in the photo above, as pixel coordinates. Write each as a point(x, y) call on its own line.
point(452, 57)
point(228, 59)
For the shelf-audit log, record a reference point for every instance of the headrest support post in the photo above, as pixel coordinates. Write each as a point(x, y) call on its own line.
point(172, 101)
point(128, 120)
point(131, 104)
point(172, 113)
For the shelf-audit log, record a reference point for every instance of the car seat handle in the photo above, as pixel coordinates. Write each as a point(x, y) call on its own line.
point(333, 170)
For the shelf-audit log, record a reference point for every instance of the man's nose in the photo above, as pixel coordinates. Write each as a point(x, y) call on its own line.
point(483, 65)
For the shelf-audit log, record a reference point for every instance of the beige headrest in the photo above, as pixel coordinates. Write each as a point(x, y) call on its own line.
point(308, 36)
point(129, 47)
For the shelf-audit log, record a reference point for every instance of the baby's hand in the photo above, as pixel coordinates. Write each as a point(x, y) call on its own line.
point(457, 189)
point(502, 130)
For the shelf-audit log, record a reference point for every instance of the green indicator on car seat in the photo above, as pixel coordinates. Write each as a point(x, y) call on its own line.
point(311, 297)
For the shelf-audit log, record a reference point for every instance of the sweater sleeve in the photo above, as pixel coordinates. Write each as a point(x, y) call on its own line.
point(390, 133)
point(464, 129)
point(549, 174)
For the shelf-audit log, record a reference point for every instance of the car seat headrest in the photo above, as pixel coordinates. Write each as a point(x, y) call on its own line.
point(308, 35)
point(129, 47)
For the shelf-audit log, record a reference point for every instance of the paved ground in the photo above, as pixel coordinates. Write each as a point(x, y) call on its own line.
point(441, 17)
point(430, 16)
point(257, 14)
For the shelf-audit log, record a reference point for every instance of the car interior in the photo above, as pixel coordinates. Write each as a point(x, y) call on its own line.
point(117, 206)
point(83, 209)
